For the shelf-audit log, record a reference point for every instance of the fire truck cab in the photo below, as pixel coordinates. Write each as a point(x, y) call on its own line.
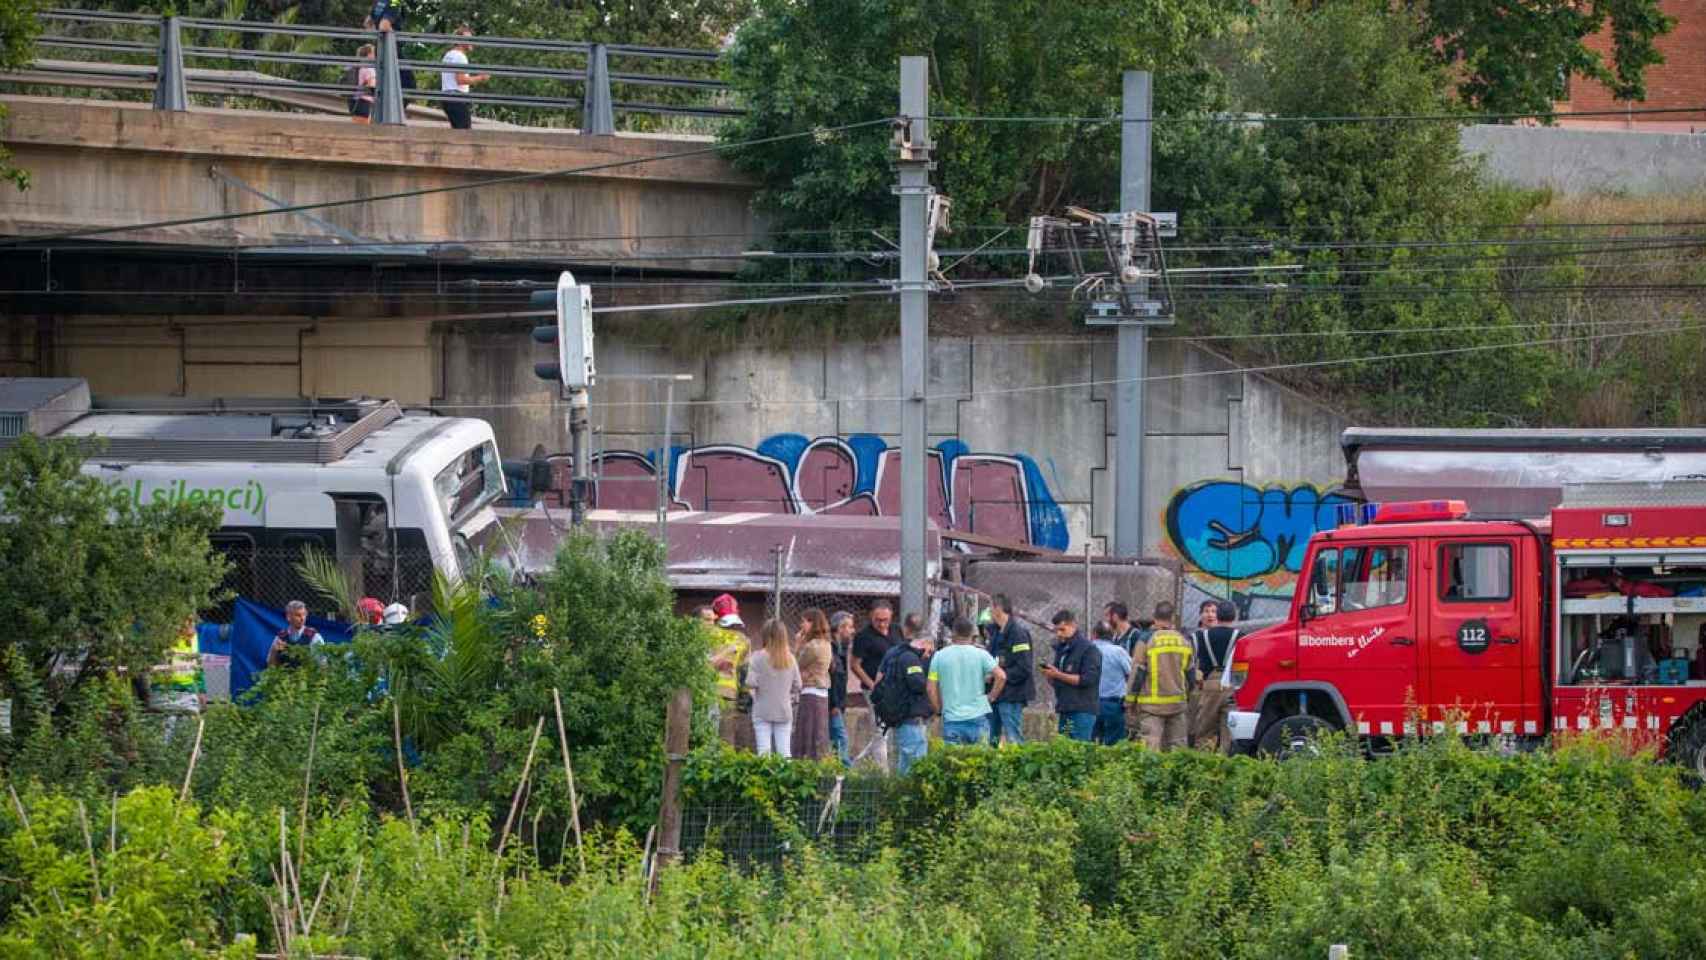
point(1413, 618)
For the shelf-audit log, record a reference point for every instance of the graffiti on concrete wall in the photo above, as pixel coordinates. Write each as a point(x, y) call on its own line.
point(1244, 542)
point(994, 494)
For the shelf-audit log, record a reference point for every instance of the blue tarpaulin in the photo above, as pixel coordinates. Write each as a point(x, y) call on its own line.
point(253, 628)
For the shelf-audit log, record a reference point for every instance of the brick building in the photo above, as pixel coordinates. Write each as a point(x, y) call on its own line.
point(1678, 82)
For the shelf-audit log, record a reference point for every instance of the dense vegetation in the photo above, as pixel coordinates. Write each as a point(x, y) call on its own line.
point(1050, 850)
point(1400, 243)
point(402, 796)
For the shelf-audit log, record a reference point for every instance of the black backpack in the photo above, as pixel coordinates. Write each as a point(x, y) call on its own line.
point(891, 702)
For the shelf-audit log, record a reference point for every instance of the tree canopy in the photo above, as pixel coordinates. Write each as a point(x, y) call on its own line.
point(91, 581)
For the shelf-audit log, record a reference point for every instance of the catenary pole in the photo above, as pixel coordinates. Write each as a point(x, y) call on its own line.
point(1132, 359)
point(914, 190)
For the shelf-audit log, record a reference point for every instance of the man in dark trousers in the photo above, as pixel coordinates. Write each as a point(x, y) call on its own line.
point(1077, 676)
point(1212, 700)
point(1010, 645)
point(911, 738)
point(840, 638)
point(864, 662)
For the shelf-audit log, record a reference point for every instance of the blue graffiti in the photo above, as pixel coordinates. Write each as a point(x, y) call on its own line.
point(1234, 531)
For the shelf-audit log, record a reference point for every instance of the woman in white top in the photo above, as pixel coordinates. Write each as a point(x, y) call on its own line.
point(773, 676)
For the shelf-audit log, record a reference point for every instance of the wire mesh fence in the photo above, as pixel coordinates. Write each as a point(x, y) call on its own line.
point(273, 577)
point(849, 817)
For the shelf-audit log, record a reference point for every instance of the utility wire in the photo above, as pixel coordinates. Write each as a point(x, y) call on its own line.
point(1259, 119)
point(1088, 339)
point(449, 188)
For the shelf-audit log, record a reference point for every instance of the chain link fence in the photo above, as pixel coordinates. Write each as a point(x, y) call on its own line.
point(273, 577)
point(847, 817)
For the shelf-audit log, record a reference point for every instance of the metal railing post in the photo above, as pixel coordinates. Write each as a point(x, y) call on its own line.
point(169, 90)
point(388, 99)
point(598, 113)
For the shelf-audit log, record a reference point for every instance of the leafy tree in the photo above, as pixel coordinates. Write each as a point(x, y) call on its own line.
point(1519, 57)
point(1355, 206)
point(600, 629)
point(18, 30)
point(91, 581)
point(799, 66)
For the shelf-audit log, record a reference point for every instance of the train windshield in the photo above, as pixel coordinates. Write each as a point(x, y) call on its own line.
point(469, 482)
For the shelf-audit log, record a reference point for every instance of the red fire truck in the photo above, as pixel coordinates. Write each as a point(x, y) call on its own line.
point(1416, 618)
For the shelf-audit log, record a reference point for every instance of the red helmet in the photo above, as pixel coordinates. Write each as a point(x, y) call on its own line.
point(371, 609)
point(724, 605)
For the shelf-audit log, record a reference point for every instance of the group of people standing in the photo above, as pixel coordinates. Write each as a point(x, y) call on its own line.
point(785, 691)
point(1160, 686)
point(387, 16)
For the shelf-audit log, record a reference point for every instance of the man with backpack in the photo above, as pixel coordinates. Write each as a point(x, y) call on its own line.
point(900, 701)
point(1214, 646)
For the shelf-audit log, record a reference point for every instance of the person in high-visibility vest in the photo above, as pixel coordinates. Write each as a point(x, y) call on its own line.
point(1160, 683)
point(178, 685)
point(729, 649)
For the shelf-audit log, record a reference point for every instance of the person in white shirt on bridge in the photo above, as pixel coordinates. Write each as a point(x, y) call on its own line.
point(460, 112)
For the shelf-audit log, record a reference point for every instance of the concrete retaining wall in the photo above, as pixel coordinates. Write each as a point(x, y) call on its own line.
point(1573, 161)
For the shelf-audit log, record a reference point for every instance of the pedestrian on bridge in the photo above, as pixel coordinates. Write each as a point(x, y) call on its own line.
point(460, 112)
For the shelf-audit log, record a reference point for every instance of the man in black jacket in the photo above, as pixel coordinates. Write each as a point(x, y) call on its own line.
point(1010, 645)
point(1077, 677)
point(911, 739)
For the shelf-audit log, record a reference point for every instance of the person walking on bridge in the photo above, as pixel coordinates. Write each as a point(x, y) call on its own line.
point(460, 112)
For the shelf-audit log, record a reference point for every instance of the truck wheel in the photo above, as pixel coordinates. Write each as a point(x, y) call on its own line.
point(1293, 736)
point(1688, 751)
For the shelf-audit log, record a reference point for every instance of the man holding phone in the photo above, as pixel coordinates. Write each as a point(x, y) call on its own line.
point(1076, 675)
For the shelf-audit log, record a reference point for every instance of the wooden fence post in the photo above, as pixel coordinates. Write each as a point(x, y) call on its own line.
point(677, 726)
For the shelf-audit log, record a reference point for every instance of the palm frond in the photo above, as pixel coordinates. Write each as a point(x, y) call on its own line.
point(320, 571)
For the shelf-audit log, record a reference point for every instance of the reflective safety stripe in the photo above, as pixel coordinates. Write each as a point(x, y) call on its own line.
point(1020, 647)
point(914, 669)
point(186, 663)
point(1170, 645)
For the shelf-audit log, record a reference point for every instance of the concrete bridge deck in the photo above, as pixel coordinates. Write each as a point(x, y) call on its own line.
point(97, 163)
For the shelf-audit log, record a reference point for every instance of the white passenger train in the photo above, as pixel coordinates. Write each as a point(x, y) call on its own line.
point(393, 495)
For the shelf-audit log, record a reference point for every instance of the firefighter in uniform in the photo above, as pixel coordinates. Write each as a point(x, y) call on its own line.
point(1212, 700)
point(729, 649)
point(1160, 683)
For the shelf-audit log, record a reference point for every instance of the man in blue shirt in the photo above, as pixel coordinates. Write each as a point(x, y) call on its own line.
point(1116, 670)
point(957, 677)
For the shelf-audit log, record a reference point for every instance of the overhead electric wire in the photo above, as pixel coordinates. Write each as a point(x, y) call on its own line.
point(1086, 339)
point(1256, 119)
point(450, 188)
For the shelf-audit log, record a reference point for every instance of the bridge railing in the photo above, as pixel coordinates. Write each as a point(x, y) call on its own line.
point(535, 82)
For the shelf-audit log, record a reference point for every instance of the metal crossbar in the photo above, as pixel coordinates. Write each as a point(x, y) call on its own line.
point(103, 45)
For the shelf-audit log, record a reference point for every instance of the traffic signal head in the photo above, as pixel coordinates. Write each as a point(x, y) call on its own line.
point(572, 333)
